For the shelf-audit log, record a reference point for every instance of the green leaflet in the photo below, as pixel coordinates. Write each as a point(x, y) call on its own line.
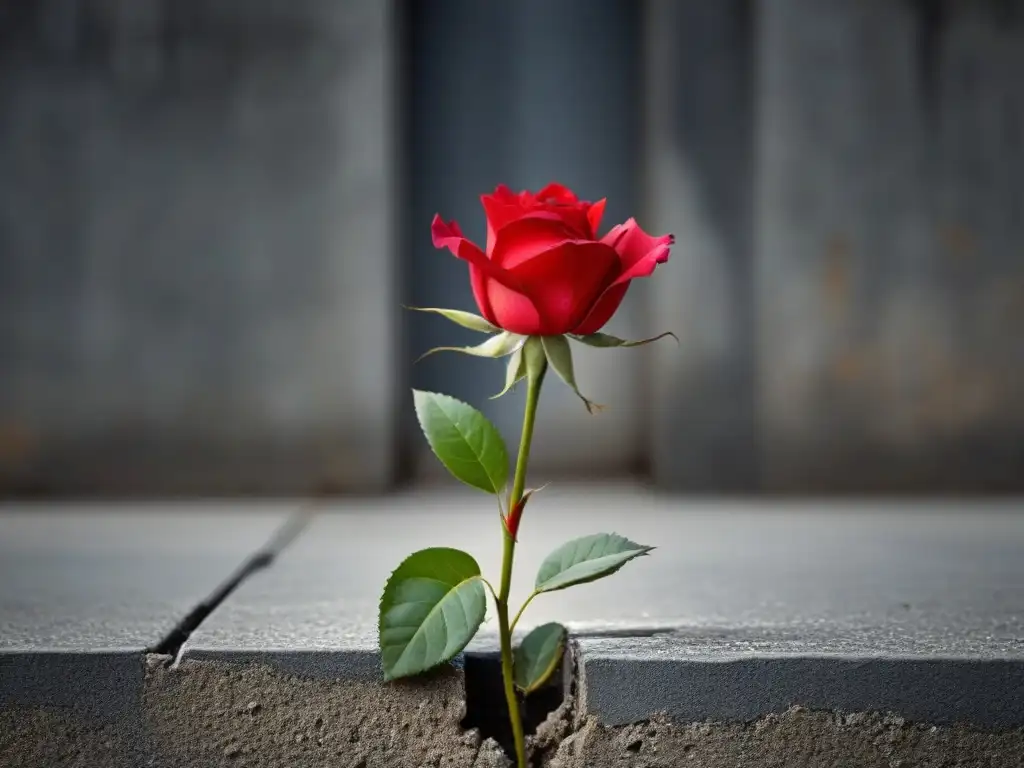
point(504, 343)
point(560, 357)
point(586, 559)
point(432, 605)
point(537, 657)
point(465, 441)
point(607, 340)
point(465, 319)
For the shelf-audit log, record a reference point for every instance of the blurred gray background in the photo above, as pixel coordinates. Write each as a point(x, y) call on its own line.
point(211, 211)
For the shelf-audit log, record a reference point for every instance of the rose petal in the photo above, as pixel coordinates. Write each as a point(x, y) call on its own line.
point(500, 213)
point(449, 235)
point(639, 254)
point(512, 310)
point(603, 310)
point(559, 193)
point(565, 282)
point(594, 214)
point(530, 235)
point(478, 282)
point(481, 269)
point(503, 194)
point(500, 208)
point(635, 247)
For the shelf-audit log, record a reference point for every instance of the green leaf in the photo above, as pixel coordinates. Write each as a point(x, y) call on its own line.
point(432, 605)
point(607, 340)
point(504, 343)
point(516, 370)
point(560, 357)
point(586, 559)
point(464, 440)
point(537, 657)
point(465, 319)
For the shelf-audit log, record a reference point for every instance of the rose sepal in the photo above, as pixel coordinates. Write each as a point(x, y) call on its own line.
point(459, 317)
point(505, 343)
point(515, 372)
point(606, 340)
point(559, 356)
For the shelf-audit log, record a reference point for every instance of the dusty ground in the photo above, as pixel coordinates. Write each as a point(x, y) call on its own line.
point(40, 738)
point(217, 714)
point(794, 739)
point(212, 714)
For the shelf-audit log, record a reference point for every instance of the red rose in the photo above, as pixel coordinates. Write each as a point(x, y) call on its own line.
point(545, 272)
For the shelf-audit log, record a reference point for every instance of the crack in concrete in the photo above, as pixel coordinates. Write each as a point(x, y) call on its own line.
point(174, 641)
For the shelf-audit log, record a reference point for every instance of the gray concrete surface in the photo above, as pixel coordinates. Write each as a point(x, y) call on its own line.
point(742, 676)
point(119, 577)
point(926, 574)
point(743, 610)
point(84, 591)
point(897, 626)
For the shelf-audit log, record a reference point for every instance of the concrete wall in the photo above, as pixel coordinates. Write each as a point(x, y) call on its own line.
point(203, 245)
point(890, 245)
point(699, 153)
point(847, 182)
point(195, 245)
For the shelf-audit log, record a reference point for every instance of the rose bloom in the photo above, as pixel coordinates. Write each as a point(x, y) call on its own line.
point(544, 271)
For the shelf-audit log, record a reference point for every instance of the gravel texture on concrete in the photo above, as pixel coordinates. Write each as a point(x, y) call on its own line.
point(238, 713)
point(796, 738)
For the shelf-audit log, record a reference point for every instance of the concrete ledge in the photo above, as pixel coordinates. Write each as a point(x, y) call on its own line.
point(636, 701)
point(107, 684)
point(618, 688)
point(71, 708)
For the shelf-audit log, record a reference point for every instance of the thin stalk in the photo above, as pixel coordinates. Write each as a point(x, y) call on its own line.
point(515, 717)
point(534, 380)
point(515, 620)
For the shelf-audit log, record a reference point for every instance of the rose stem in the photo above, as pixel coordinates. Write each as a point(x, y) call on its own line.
point(535, 375)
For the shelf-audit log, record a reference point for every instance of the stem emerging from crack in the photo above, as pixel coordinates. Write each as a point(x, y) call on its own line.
point(535, 375)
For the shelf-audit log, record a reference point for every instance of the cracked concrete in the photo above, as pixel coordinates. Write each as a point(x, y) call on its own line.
point(779, 635)
point(574, 736)
point(244, 712)
point(256, 714)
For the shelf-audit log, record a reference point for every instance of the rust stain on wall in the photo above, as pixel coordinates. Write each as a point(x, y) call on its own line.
point(836, 280)
point(18, 445)
point(958, 241)
point(852, 365)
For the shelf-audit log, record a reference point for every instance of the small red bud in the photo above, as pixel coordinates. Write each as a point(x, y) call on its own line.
point(512, 520)
point(513, 517)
